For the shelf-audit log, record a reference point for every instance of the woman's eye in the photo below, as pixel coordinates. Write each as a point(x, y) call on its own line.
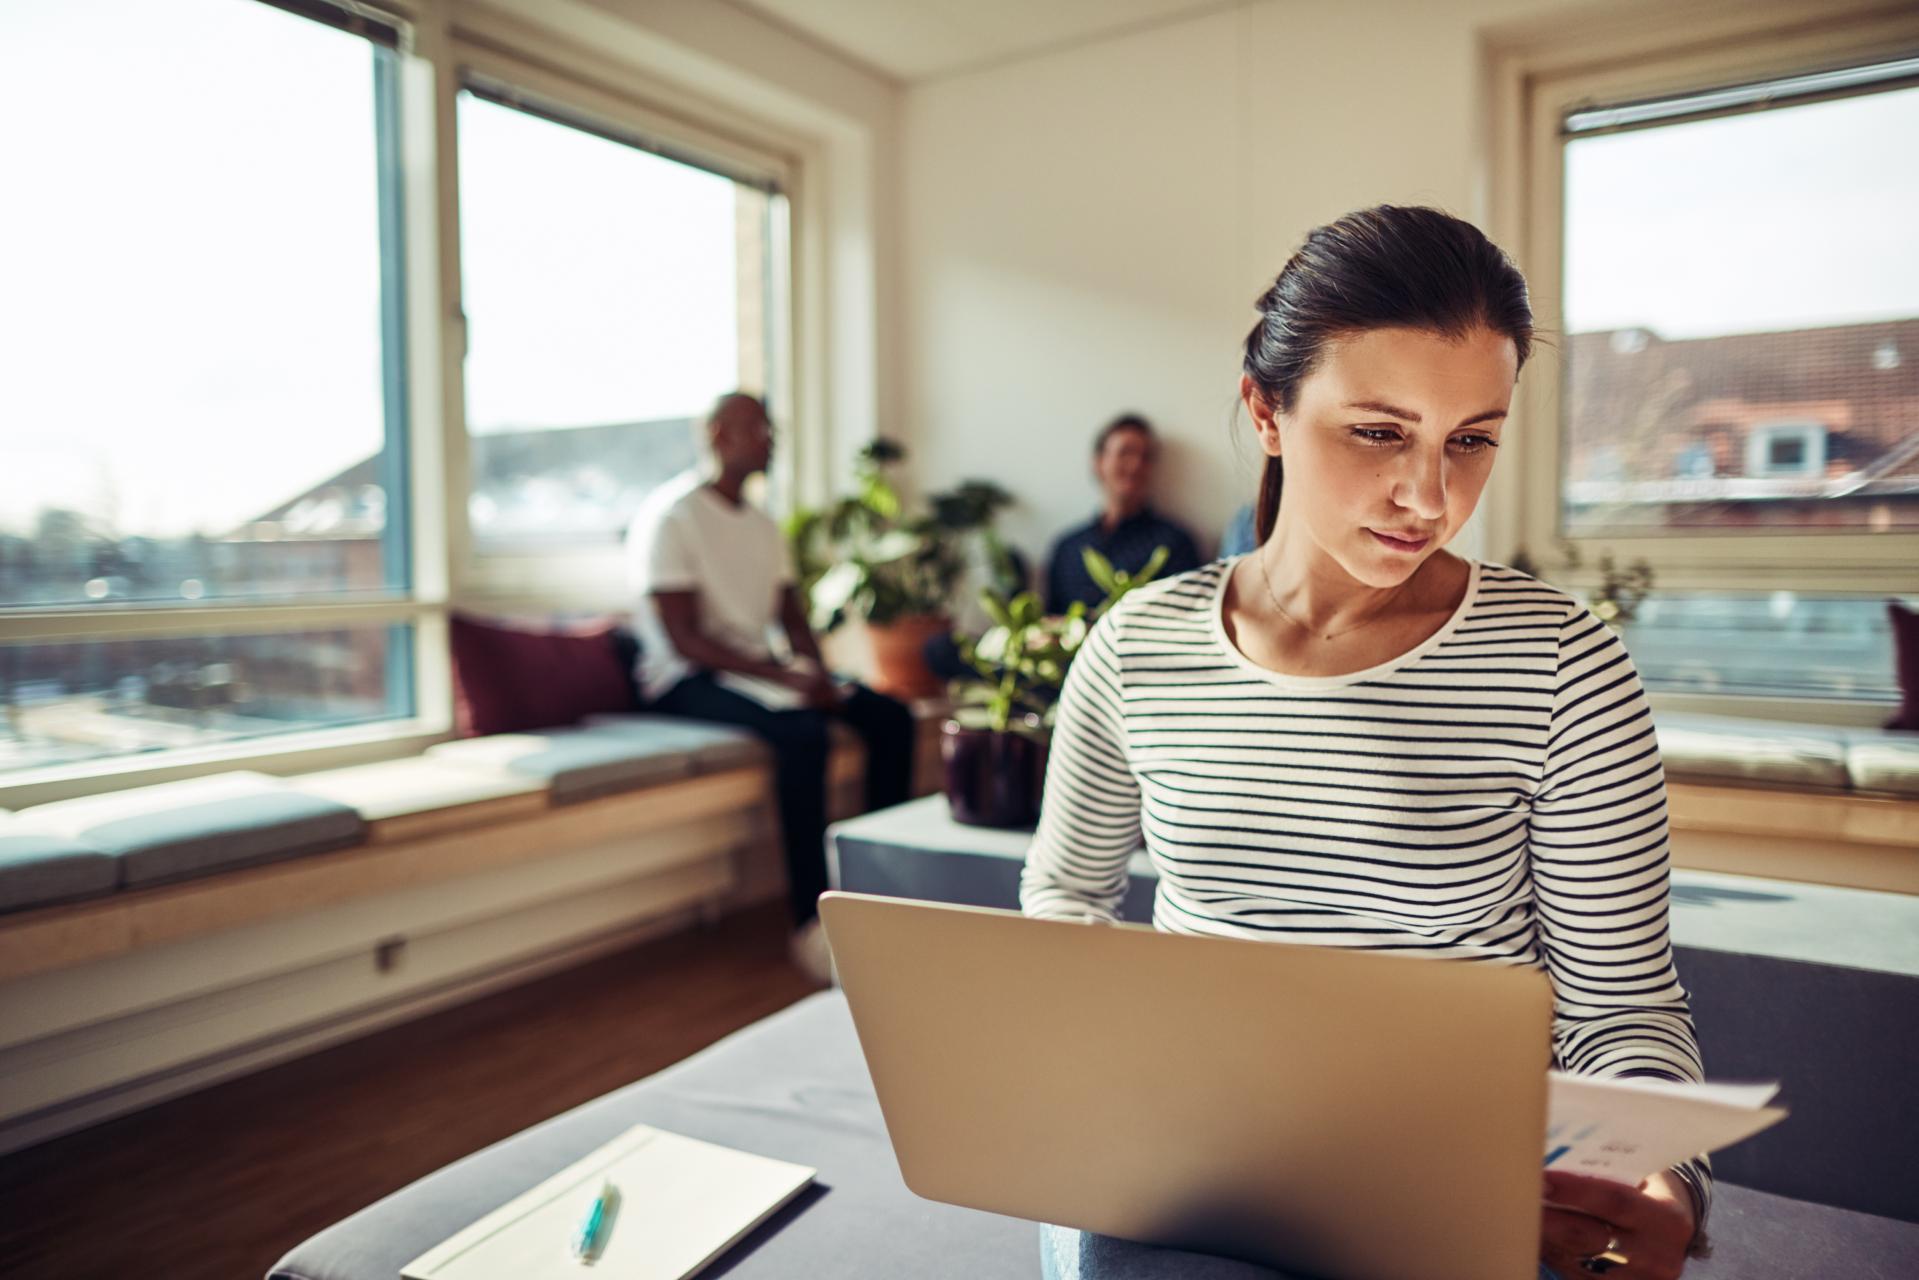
point(1473, 444)
point(1377, 435)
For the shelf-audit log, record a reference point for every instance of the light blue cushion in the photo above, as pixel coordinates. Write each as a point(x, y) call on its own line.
point(177, 830)
point(198, 839)
point(577, 763)
point(713, 746)
point(37, 869)
point(1758, 752)
point(1885, 761)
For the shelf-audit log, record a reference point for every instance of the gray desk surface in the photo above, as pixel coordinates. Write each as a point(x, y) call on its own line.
point(795, 1087)
point(1856, 928)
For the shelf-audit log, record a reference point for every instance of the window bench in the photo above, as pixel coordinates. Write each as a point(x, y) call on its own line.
point(156, 939)
point(1793, 801)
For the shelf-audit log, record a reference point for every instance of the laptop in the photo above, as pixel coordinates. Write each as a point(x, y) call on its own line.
point(1339, 1114)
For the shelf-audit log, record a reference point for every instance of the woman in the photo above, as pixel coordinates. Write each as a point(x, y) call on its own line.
point(1354, 737)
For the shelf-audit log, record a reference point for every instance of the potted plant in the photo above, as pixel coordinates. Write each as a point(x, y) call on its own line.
point(994, 745)
point(865, 558)
point(1621, 590)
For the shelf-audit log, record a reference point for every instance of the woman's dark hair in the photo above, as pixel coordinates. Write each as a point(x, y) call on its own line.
point(1385, 267)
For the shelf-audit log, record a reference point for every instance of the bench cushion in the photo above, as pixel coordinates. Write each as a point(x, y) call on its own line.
point(37, 869)
point(176, 830)
point(1776, 753)
point(713, 746)
point(1884, 760)
point(717, 746)
point(575, 764)
point(417, 784)
point(794, 1087)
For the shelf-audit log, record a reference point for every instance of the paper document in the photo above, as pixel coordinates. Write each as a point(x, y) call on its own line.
point(770, 694)
point(679, 1204)
point(1628, 1130)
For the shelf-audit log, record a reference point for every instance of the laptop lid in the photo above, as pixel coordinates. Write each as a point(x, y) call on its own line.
point(1352, 1115)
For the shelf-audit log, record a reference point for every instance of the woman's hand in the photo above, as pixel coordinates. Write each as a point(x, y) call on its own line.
point(1650, 1227)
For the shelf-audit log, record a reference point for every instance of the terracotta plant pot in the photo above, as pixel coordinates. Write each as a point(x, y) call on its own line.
point(899, 657)
point(994, 779)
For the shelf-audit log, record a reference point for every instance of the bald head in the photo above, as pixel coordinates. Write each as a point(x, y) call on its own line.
point(739, 434)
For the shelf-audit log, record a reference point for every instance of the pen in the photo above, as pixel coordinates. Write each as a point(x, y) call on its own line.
point(592, 1232)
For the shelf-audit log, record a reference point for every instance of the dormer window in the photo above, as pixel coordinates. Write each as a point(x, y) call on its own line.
point(1783, 450)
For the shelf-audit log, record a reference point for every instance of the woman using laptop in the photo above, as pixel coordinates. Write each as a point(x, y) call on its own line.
point(1352, 736)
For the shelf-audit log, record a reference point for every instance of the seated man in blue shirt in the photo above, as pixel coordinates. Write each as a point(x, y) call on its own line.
point(1127, 530)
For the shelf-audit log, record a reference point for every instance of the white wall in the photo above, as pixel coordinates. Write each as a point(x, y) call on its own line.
point(1086, 231)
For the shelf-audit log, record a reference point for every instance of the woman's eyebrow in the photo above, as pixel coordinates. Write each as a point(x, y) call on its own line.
point(1407, 415)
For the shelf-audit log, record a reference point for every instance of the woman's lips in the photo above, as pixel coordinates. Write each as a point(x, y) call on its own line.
point(1400, 544)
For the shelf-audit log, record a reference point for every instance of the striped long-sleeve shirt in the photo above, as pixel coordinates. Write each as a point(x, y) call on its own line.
point(1495, 794)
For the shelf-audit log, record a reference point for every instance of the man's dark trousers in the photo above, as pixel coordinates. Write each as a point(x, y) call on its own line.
point(800, 746)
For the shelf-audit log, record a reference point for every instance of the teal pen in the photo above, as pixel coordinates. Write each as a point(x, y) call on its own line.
point(592, 1232)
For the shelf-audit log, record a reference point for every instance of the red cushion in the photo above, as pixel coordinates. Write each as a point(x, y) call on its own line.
point(1905, 658)
point(510, 680)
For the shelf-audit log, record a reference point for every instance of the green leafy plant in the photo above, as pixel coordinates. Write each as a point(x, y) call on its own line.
point(864, 556)
point(1620, 592)
point(1022, 658)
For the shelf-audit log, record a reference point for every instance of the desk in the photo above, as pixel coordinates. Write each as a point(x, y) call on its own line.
point(794, 1087)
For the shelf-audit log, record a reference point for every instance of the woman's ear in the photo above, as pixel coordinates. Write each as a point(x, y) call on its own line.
point(1265, 421)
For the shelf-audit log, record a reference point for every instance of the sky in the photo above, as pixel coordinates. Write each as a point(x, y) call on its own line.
point(189, 321)
point(189, 296)
point(1783, 219)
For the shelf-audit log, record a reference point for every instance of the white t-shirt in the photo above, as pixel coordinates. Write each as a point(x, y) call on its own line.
point(686, 537)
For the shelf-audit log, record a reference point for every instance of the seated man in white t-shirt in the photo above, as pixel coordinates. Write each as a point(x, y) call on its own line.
point(714, 581)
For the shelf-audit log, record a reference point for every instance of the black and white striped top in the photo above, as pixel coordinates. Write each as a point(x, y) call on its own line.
point(1496, 793)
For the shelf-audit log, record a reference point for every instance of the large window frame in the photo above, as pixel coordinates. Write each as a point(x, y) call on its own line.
point(592, 579)
point(1532, 82)
point(434, 55)
point(1536, 88)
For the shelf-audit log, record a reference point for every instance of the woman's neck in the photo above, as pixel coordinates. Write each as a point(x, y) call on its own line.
point(1306, 587)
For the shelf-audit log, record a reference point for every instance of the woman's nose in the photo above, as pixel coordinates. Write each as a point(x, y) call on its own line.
point(1421, 488)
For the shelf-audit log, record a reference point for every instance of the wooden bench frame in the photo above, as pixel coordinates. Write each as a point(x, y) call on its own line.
point(400, 852)
point(1851, 840)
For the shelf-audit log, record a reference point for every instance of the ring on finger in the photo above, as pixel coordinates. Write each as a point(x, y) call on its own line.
point(1605, 1260)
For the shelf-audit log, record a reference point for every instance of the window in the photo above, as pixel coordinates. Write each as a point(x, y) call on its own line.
point(203, 392)
point(1726, 277)
point(74, 702)
point(612, 292)
point(1765, 644)
point(1718, 236)
point(1788, 449)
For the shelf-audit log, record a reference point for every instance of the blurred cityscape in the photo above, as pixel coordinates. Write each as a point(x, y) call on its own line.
point(67, 702)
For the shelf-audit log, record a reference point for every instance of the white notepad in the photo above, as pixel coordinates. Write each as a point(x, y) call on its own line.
point(681, 1204)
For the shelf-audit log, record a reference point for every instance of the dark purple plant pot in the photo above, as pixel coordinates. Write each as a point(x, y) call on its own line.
point(993, 779)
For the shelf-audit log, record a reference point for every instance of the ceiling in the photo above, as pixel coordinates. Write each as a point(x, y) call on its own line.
point(923, 39)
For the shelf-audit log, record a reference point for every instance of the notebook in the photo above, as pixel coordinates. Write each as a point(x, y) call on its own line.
point(681, 1203)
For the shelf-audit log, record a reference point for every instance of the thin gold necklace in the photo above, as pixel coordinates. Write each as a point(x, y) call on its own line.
point(1267, 578)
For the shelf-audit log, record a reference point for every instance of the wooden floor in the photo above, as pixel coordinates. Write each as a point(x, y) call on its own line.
point(221, 1183)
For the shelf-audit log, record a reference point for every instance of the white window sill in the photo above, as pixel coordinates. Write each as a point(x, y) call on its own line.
point(284, 754)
